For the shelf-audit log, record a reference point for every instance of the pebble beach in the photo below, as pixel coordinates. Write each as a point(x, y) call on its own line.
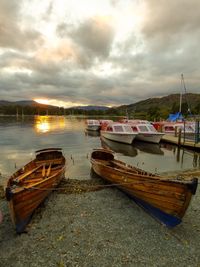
point(99, 228)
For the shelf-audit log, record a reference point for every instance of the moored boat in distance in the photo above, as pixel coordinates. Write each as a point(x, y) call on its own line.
point(165, 198)
point(173, 127)
point(93, 125)
point(29, 186)
point(145, 131)
point(104, 123)
point(119, 132)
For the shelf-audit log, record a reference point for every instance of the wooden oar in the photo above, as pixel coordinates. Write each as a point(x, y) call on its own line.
point(24, 175)
point(49, 170)
point(43, 171)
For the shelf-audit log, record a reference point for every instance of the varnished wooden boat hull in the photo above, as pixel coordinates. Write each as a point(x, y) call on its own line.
point(25, 194)
point(166, 199)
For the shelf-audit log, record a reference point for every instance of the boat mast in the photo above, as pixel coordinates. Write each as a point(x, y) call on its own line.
point(183, 86)
point(181, 95)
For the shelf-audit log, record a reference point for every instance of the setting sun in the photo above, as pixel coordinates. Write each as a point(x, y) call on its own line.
point(42, 101)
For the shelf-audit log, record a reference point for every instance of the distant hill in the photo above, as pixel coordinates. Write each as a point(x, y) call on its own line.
point(26, 103)
point(18, 103)
point(23, 103)
point(5, 103)
point(151, 108)
point(161, 107)
point(28, 107)
point(91, 108)
point(34, 103)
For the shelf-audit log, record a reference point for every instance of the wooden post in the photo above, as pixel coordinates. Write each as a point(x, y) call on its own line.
point(176, 131)
point(184, 132)
point(197, 132)
point(179, 137)
point(178, 154)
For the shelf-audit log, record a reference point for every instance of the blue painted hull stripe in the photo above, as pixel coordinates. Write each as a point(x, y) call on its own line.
point(21, 226)
point(167, 219)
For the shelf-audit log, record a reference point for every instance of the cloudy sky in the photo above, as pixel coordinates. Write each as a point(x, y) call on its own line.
point(102, 52)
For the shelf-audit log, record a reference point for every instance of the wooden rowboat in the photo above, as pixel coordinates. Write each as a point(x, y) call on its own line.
point(30, 185)
point(165, 198)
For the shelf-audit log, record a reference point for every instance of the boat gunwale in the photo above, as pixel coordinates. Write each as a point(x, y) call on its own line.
point(139, 172)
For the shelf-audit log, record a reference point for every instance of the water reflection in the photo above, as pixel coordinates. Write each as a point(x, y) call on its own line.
point(148, 147)
point(43, 124)
point(181, 153)
point(196, 160)
point(92, 133)
point(20, 138)
point(125, 149)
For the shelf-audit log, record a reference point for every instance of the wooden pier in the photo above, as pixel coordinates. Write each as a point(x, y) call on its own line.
point(180, 141)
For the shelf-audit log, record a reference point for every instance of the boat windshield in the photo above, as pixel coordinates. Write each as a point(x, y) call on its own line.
point(143, 128)
point(152, 129)
point(118, 128)
point(188, 128)
point(122, 128)
point(128, 128)
point(92, 122)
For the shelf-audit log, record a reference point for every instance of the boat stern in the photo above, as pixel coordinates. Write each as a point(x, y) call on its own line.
point(193, 185)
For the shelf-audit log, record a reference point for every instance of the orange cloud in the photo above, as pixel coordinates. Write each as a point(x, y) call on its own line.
point(63, 51)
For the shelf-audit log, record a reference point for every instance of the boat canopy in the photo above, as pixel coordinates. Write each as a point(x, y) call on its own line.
point(175, 117)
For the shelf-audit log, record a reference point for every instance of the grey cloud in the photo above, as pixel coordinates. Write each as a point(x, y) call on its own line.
point(11, 34)
point(171, 17)
point(169, 24)
point(169, 39)
point(63, 29)
point(93, 38)
point(48, 12)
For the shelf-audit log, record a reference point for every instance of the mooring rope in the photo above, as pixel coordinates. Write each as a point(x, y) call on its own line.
point(88, 186)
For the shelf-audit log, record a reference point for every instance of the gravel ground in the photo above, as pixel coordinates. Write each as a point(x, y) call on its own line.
point(100, 228)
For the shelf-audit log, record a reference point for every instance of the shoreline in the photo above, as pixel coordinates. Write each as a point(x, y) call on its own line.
point(99, 228)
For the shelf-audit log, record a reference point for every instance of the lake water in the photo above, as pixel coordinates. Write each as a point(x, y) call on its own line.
point(21, 137)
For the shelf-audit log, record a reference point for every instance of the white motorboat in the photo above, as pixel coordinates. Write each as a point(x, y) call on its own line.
point(173, 127)
point(119, 132)
point(93, 125)
point(146, 131)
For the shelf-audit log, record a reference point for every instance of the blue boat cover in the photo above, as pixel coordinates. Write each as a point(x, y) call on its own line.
point(175, 117)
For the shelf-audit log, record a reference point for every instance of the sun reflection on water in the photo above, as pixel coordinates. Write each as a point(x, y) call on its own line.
point(44, 124)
